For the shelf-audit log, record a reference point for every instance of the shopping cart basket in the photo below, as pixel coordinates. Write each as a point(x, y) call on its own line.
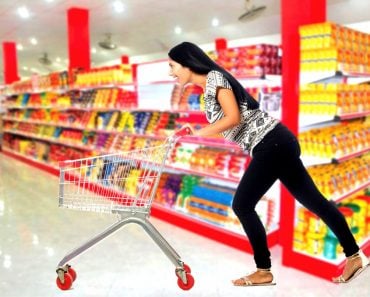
point(123, 184)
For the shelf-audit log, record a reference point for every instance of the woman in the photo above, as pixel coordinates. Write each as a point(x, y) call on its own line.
point(275, 153)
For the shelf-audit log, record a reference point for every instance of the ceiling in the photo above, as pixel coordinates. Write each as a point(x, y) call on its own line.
point(144, 27)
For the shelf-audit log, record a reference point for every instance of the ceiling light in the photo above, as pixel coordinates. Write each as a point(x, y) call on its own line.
point(93, 50)
point(178, 30)
point(23, 12)
point(215, 22)
point(118, 6)
point(19, 47)
point(25, 68)
point(33, 41)
point(58, 59)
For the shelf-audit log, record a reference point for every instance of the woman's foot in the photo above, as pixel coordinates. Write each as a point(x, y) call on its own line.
point(261, 277)
point(355, 264)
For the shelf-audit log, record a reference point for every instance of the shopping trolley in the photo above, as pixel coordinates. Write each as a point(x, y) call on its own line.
point(123, 184)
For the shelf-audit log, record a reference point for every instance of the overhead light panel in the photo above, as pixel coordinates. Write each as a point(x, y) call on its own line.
point(19, 47)
point(118, 6)
point(178, 30)
point(93, 50)
point(33, 40)
point(215, 22)
point(23, 12)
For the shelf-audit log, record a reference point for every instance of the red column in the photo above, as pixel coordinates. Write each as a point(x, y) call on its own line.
point(78, 38)
point(294, 13)
point(220, 44)
point(10, 62)
point(125, 59)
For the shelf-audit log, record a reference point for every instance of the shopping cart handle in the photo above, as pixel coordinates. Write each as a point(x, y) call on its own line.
point(184, 131)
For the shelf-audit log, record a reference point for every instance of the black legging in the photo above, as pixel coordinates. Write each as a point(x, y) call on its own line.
point(277, 157)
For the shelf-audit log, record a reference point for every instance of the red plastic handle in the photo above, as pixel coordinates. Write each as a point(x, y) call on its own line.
point(184, 131)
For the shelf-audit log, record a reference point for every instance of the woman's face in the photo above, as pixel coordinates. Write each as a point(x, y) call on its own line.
point(181, 73)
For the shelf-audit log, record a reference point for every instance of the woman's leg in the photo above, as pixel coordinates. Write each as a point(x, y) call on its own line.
point(255, 182)
point(297, 180)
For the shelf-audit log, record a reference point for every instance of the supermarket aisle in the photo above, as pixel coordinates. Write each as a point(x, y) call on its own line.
point(35, 235)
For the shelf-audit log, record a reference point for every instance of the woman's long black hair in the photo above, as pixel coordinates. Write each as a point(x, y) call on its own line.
point(190, 55)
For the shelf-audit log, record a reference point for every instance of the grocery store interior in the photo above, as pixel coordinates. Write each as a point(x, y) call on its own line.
point(98, 198)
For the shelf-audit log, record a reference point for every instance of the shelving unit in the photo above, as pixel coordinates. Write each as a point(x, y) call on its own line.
point(313, 263)
point(152, 93)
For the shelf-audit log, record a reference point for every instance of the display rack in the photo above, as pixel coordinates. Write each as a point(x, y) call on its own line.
point(152, 93)
point(313, 262)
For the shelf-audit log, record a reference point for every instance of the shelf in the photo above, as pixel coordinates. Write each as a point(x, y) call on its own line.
point(317, 266)
point(312, 160)
point(339, 197)
point(51, 140)
point(168, 168)
point(173, 168)
point(307, 122)
point(31, 161)
point(350, 116)
point(171, 216)
point(72, 88)
point(329, 76)
point(211, 142)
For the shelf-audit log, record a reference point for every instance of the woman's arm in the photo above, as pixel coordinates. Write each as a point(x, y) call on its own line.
point(231, 117)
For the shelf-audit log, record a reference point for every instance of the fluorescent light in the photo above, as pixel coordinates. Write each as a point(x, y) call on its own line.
point(58, 59)
point(215, 22)
point(19, 47)
point(25, 68)
point(178, 30)
point(23, 12)
point(118, 6)
point(33, 40)
point(93, 50)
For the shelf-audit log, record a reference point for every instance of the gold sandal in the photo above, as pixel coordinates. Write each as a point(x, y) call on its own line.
point(355, 264)
point(247, 282)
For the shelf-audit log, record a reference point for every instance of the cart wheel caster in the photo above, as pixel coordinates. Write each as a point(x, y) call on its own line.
point(68, 280)
point(185, 267)
point(72, 273)
point(190, 282)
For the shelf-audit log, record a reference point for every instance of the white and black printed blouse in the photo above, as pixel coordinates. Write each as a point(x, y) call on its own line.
point(254, 124)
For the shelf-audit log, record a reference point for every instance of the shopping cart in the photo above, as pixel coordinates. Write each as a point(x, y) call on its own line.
point(123, 184)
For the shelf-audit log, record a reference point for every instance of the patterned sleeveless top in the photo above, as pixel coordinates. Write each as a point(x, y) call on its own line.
point(254, 124)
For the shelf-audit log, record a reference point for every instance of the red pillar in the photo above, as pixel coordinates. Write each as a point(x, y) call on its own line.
point(294, 13)
point(125, 59)
point(10, 62)
point(220, 44)
point(78, 38)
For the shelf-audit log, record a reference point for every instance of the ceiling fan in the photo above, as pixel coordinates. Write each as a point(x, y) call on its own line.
point(44, 60)
point(107, 42)
point(251, 11)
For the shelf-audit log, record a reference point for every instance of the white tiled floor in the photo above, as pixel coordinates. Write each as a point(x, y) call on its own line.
point(35, 235)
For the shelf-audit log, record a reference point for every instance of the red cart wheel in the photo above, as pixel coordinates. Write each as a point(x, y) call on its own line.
point(187, 286)
point(187, 268)
point(72, 273)
point(67, 282)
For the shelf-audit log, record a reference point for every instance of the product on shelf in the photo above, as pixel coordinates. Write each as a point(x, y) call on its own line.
point(255, 60)
point(337, 179)
point(312, 236)
point(332, 47)
point(211, 160)
point(334, 99)
point(336, 141)
point(118, 74)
